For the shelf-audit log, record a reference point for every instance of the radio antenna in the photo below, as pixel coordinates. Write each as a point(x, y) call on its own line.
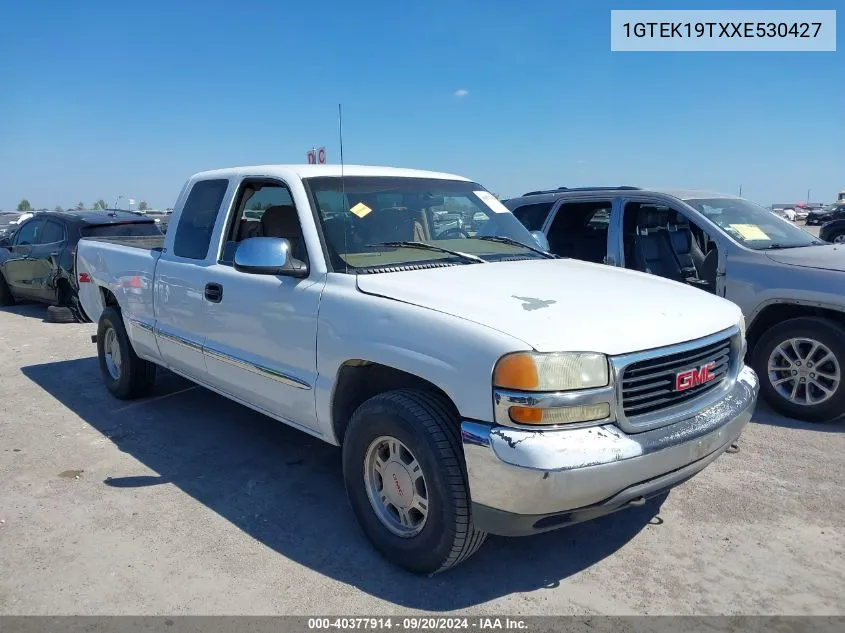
point(343, 190)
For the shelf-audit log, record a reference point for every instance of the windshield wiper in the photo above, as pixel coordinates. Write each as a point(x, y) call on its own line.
point(779, 246)
point(431, 247)
point(513, 242)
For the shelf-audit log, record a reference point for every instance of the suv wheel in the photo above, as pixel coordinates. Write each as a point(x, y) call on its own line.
point(801, 365)
point(837, 238)
point(406, 481)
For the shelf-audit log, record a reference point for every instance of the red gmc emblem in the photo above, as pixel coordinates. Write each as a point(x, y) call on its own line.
point(690, 378)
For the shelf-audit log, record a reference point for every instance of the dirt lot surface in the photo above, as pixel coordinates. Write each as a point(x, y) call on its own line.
point(188, 503)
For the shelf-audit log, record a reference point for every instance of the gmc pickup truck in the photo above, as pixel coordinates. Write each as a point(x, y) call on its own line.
point(476, 383)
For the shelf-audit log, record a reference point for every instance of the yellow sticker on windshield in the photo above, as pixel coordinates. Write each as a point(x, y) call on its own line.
point(749, 232)
point(360, 209)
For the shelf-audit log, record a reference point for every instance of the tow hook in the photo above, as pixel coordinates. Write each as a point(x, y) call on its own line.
point(638, 502)
point(733, 448)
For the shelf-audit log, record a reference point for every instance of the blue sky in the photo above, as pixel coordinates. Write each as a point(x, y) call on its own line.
point(105, 98)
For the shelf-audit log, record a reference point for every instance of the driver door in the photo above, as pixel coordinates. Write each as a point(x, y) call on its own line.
point(18, 266)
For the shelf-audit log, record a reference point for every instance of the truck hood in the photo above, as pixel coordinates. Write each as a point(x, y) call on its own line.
point(563, 305)
point(827, 257)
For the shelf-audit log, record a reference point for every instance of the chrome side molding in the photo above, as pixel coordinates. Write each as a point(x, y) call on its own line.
point(255, 368)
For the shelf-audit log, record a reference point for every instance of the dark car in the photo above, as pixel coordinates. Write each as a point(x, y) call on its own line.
point(835, 211)
point(834, 231)
point(37, 259)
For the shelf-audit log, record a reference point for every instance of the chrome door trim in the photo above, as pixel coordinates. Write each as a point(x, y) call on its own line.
point(255, 368)
point(173, 338)
point(141, 325)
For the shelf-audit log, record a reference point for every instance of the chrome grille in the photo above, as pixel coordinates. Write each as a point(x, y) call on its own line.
point(648, 386)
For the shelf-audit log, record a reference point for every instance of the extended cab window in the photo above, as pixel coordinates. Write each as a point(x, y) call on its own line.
point(196, 224)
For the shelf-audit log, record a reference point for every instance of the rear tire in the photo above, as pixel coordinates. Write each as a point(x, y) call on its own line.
point(6, 297)
point(60, 314)
point(431, 477)
point(125, 375)
point(823, 379)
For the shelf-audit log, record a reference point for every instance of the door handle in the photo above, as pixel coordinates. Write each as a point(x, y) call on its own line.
point(214, 293)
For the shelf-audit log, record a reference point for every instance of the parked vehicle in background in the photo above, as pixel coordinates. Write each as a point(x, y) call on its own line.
point(37, 259)
point(787, 214)
point(8, 224)
point(789, 284)
point(476, 383)
point(835, 211)
point(833, 231)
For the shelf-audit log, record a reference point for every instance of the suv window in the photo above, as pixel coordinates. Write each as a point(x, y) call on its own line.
point(579, 230)
point(51, 233)
point(196, 224)
point(533, 216)
point(28, 233)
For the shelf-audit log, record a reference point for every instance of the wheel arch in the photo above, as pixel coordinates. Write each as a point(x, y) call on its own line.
point(358, 380)
point(778, 311)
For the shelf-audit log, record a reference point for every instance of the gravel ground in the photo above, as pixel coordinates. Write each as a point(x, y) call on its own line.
point(186, 503)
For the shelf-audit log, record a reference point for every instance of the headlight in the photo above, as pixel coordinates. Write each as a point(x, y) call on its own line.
point(558, 371)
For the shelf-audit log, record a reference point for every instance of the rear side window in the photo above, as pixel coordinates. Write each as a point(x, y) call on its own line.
point(51, 233)
point(196, 224)
point(122, 229)
point(533, 215)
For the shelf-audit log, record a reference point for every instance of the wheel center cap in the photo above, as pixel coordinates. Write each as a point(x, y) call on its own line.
point(398, 485)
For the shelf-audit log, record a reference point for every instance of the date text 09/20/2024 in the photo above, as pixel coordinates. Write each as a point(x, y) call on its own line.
point(417, 623)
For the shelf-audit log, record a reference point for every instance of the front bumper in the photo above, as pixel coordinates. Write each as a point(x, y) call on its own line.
point(527, 481)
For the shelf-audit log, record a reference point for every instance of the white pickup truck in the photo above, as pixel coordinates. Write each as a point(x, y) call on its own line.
point(476, 383)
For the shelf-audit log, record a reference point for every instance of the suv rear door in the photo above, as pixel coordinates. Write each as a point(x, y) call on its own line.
point(44, 259)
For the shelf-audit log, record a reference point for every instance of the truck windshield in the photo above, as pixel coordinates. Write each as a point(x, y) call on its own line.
point(752, 225)
point(365, 219)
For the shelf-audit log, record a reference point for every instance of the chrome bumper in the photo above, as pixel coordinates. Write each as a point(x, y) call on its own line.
point(526, 481)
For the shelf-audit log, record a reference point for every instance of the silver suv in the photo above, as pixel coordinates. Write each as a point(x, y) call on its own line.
point(789, 284)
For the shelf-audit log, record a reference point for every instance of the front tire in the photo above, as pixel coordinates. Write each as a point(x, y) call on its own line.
point(801, 365)
point(126, 375)
point(406, 481)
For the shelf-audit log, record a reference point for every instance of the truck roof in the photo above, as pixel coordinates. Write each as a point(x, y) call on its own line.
point(314, 171)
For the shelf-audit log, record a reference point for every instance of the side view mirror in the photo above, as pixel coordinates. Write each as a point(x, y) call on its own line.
point(5, 242)
point(268, 256)
point(541, 240)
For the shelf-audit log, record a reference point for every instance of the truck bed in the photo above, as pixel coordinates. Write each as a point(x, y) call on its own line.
point(121, 265)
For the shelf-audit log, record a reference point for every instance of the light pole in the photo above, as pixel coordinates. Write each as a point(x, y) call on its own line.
point(117, 202)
